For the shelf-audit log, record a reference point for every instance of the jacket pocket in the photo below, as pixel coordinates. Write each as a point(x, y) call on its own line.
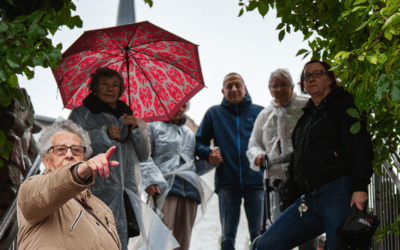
point(77, 219)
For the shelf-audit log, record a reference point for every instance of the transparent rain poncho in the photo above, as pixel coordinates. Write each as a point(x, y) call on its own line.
point(124, 177)
point(173, 154)
point(271, 135)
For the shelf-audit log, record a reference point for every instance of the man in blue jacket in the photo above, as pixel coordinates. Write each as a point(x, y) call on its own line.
point(230, 125)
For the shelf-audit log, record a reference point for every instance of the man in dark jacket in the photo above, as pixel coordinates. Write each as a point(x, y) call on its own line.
point(230, 125)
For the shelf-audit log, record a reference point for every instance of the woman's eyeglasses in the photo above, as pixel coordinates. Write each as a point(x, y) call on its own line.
point(316, 74)
point(277, 86)
point(62, 150)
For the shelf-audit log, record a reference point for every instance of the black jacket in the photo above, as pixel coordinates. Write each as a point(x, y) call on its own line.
point(325, 149)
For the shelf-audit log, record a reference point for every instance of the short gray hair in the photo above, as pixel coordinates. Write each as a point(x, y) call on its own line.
point(280, 72)
point(46, 138)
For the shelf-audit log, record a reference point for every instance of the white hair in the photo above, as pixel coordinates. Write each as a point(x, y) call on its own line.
point(46, 138)
point(280, 72)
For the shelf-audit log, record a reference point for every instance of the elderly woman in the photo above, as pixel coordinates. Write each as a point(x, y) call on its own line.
point(171, 176)
point(330, 167)
point(108, 121)
point(56, 210)
point(271, 136)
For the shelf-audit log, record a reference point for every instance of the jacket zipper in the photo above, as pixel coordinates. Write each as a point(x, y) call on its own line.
point(240, 160)
point(77, 219)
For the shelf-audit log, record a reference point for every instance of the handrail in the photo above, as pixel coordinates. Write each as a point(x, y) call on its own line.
point(391, 173)
point(12, 209)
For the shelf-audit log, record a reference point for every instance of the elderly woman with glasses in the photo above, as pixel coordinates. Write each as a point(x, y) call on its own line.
point(330, 167)
point(56, 210)
point(271, 135)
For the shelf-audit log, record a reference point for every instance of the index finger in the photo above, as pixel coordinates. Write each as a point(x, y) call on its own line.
point(110, 152)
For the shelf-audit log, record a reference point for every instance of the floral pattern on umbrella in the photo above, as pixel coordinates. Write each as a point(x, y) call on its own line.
point(164, 69)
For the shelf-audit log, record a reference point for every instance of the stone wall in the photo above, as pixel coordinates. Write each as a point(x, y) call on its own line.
point(17, 123)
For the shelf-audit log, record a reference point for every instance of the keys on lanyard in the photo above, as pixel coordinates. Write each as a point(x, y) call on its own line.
point(303, 207)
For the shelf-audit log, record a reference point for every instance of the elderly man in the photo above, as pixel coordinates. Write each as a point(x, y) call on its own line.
point(230, 125)
point(56, 210)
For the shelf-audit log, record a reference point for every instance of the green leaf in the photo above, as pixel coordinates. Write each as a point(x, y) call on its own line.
point(280, 26)
point(3, 26)
point(358, 8)
point(48, 25)
point(13, 81)
point(12, 60)
point(302, 51)
point(35, 17)
point(340, 53)
point(263, 7)
point(394, 19)
point(382, 86)
point(241, 12)
point(359, 1)
point(347, 4)
point(252, 5)
point(382, 58)
point(1, 163)
point(288, 29)
point(3, 75)
point(21, 18)
point(353, 113)
point(361, 58)
point(355, 128)
point(33, 29)
point(5, 97)
point(372, 59)
point(388, 34)
point(38, 61)
point(77, 21)
point(281, 35)
point(396, 91)
point(29, 73)
point(362, 25)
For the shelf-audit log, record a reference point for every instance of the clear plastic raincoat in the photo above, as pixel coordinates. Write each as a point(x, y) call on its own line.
point(271, 135)
point(173, 154)
point(125, 177)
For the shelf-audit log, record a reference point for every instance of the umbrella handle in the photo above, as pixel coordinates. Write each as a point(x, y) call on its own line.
point(128, 136)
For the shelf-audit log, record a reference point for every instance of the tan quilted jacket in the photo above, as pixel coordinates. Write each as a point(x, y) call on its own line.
point(55, 211)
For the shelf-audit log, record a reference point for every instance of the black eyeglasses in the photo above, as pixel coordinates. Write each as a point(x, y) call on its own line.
point(316, 74)
point(62, 150)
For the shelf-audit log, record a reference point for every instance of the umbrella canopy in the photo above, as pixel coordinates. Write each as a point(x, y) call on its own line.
point(161, 71)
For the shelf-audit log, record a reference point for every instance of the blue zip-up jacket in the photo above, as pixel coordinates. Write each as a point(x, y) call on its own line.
point(230, 126)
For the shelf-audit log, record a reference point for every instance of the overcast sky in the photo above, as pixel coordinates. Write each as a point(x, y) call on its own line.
point(247, 45)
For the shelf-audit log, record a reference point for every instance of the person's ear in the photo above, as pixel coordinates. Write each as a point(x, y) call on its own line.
point(45, 161)
point(223, 92)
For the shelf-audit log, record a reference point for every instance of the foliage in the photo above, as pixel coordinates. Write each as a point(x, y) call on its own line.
point(361, 40)
point(24, 45)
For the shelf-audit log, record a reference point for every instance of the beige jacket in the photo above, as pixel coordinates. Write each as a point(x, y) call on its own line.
point(49, 217)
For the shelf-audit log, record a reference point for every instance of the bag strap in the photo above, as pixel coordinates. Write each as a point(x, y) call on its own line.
point(98, 220)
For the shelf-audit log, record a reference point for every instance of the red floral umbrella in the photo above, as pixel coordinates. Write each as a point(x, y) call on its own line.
point(161, 70)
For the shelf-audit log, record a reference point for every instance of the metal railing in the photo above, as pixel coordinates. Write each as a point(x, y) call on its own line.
point(10, 214)
point(384, 203)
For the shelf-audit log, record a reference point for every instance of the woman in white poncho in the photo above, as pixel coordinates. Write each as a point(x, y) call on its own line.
point(272, 133)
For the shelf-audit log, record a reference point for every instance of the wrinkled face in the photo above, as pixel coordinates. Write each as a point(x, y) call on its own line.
point(54, 162)
point(317, 87)
point(178, 115)
point(108, 90)
point(281, 90)
point(234, 89)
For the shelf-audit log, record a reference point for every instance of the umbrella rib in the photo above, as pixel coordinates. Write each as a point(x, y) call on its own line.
point(151, 85)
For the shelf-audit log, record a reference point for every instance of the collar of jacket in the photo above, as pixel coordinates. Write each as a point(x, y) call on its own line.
point(95, 105)
point(246, 102)
point(180, 123)
point(332, 96)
